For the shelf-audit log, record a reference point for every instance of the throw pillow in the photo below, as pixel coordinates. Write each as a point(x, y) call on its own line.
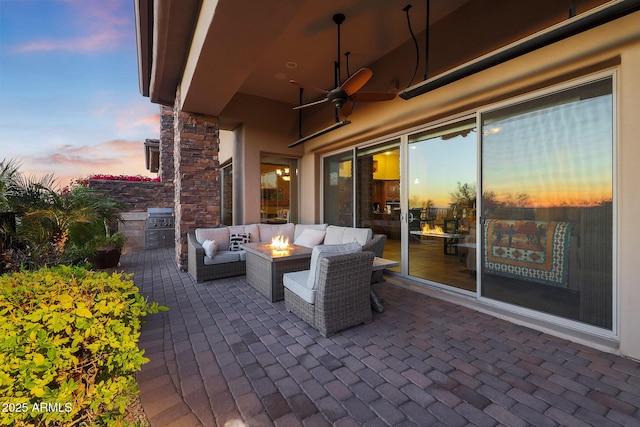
point(210, 248)
point(310, 238)
point(237, 239)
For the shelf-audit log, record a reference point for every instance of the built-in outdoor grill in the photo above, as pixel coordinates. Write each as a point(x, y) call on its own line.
point(160, 231)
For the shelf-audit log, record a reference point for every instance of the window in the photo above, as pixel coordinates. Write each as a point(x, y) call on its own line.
point(547, 204)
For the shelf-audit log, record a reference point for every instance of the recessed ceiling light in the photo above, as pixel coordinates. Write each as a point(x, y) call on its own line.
point(291, 65)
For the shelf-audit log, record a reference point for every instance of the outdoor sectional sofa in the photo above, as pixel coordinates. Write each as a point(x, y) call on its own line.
point(229, 260)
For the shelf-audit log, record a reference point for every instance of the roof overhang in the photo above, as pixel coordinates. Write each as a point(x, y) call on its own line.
point(179, 48)
point(208, 52)
point(144, 36)
point(164, 29)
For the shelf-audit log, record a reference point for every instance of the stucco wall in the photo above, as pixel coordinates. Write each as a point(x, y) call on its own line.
point(227, 141)
point(629, 197)
point(267, 128)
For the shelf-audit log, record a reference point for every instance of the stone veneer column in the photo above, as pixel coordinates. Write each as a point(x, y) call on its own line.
point(166, 170)
point(196, 179)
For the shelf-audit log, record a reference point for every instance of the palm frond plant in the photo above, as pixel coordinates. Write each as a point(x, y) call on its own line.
point(9, 170)
point(93, 230)
point(53, 225)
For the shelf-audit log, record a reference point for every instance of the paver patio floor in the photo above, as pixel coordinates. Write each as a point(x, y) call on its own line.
point(225, 356)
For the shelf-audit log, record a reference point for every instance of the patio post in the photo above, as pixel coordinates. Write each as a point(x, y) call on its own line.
point(196, 177)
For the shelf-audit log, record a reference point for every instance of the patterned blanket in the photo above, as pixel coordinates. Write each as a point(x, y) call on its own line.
point(529, 250)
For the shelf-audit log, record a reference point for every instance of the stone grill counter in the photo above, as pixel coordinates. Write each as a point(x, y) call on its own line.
point(160, 228)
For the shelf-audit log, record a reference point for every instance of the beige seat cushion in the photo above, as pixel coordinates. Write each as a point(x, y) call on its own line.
point(300, 228)
point(220, 235)
point(296, 282)
point(268, 231)
point(337, 235)
point(223, 257)
point(310, 238)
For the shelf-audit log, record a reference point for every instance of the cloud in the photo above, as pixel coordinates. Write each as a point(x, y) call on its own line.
point(136, 116)
point(106, 40)
point(152, 121)
point(69, 162)
point(105, 153)
point(99, 26)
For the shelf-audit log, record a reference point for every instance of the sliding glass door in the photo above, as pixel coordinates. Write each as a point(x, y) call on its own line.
point(547, 198)
point(535, 233)
point(441, 213)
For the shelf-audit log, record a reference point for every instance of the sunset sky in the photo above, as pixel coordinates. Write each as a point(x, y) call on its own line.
point(69, 98)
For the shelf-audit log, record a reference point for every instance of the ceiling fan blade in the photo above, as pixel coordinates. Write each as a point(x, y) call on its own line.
point(373, 96)
point(356, 81)
point(306, 86)
point(311, 104)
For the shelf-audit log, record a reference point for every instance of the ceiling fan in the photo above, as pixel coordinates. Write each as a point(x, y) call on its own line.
point(346, 94)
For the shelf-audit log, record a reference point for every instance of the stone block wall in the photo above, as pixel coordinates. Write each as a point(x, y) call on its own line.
point(166, 170)
point(137, 195)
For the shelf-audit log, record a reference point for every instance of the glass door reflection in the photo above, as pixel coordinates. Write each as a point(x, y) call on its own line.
point(338, 189)
point(378, 194)
point(442, 174)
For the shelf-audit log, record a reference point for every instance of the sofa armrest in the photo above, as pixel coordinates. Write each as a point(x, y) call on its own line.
point(195, 255)
point(376, 244)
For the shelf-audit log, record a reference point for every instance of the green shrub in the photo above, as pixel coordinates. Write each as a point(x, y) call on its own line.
point(69, 346)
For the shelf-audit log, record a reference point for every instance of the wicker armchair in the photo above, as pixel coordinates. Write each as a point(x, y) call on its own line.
point(376, 245)
point(342, 296)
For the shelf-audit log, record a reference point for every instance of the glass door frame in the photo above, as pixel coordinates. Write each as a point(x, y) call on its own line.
point(404, 199)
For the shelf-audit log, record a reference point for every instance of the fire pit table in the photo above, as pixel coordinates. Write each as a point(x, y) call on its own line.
point(265, 266)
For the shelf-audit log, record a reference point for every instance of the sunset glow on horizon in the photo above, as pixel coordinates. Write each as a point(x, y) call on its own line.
point(69, 99)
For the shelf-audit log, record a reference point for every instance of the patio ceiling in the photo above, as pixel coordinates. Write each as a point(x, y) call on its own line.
point(213, 50)
point(252, 48)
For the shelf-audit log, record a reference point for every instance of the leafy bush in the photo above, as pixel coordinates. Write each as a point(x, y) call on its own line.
point(50, 226)
point(69, 346)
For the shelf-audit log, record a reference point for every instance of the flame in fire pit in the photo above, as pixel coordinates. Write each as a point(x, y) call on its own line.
point(279, 243)
point(432, 230)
